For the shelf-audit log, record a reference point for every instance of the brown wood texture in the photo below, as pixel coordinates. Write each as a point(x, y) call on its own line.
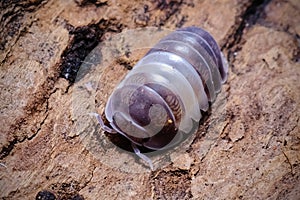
point(247, 146)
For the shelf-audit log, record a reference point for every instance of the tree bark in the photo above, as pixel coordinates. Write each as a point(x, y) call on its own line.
point(247, 145)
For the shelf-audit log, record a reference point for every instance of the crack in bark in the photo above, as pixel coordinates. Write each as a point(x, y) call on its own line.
point(289, 162)
point(248, 18)
point(40, 127)
point(37, 103)
point(7, 149)
point(32, 108)
point(89, 180)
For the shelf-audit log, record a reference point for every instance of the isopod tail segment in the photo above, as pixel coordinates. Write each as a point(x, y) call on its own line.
point(164, 93)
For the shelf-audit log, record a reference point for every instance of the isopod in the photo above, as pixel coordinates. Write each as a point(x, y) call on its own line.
point(164, 93)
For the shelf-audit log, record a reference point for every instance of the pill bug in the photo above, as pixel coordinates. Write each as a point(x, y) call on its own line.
point(163, 95)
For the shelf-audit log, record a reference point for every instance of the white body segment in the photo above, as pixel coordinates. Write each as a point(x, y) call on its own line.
point(166, 90)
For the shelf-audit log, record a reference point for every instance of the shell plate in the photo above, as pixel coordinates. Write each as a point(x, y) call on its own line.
point(164, 93)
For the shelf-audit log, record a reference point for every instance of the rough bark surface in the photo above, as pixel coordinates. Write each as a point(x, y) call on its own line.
point(247, 147)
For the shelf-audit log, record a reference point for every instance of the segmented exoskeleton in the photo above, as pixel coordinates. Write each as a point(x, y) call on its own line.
point(163, 94)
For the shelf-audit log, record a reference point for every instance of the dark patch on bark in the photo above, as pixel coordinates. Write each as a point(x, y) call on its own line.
point(7, 149)
point(67, 191)
point(83, 41)
point(45, 195)
point(13, 14)
point(97, 3)
point(252, 14)
point(169, 8)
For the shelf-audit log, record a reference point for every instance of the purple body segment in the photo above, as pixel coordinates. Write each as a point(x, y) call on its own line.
point(183, 67)
point(163, 95)
point(221, 63)
point(201, 47)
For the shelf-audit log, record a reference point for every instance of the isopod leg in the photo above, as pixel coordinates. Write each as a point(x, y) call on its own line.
point(103, 126)
point(3, 165)
point(142, 156)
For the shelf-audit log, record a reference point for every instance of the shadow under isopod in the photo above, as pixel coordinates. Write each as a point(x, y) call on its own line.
point(180, 142)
